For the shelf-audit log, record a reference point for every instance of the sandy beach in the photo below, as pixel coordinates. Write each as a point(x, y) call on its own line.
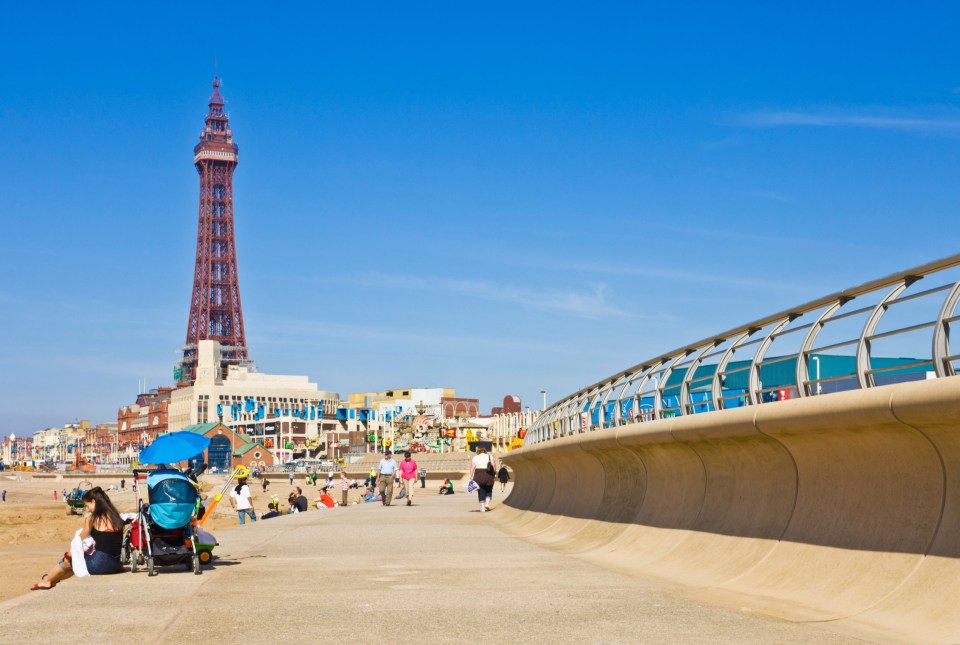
point(35, 530)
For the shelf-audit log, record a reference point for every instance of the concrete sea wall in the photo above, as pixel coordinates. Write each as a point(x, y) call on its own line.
point(841, 508)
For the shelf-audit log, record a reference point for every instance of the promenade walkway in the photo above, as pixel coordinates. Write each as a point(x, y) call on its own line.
point(437, 572)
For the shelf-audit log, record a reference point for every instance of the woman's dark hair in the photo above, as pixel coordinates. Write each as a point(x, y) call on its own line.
point(241, 482)
point(103, 509)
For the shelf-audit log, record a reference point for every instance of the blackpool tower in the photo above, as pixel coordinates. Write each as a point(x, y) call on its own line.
point(215, 312)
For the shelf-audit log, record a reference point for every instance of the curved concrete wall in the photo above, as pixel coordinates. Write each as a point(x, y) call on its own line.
point(841, 508)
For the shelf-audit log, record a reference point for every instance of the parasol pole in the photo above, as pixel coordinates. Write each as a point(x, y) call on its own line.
point(216, 498)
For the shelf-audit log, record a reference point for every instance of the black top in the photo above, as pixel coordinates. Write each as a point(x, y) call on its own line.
point(108, 541)
point(301, 503)
point(503, 475)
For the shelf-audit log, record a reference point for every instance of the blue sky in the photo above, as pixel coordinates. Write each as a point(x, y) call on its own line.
point(496, 198)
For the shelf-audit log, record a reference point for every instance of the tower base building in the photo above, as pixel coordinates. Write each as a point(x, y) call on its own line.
point(287, 414)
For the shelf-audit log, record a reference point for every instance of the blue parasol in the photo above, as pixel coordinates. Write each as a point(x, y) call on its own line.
point(173, 447)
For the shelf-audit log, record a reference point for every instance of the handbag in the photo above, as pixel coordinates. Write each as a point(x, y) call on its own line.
point(490, 470)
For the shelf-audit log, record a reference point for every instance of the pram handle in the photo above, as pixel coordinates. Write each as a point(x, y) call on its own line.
point(194, 473)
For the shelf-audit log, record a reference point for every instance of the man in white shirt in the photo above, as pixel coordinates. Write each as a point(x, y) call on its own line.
point(386, 470)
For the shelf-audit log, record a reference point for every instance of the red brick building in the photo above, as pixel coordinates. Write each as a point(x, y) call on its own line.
point(455, 406)
point(511, 404)
point(139, 423)
point(229, 449)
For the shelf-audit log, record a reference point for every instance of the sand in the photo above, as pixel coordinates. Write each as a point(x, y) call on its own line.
point(35, 530)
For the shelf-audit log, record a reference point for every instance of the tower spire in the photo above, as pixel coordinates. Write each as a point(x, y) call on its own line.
point(215, 311)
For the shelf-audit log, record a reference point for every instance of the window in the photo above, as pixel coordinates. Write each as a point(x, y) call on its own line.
point(219, 452)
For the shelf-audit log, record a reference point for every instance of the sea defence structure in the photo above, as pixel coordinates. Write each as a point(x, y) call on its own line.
point(837, 498)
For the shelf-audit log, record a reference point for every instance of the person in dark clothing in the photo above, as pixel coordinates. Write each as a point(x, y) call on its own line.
point(271, 511)
point(503, 476)
point(298, 501)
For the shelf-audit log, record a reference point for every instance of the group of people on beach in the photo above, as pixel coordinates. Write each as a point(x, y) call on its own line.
point(99, 541)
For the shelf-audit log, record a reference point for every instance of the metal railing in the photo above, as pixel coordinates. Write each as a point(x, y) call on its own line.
point(892, 329)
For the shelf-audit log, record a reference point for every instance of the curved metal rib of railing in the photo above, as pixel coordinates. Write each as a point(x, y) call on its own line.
point(745, 365)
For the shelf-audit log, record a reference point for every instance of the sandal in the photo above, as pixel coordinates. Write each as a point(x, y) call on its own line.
point(37, 587)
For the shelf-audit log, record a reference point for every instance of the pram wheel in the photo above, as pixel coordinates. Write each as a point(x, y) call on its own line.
point(134, 561)
point(150, 570)
point(196, 565)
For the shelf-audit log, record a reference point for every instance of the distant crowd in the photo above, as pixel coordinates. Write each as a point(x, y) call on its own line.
point(378, 486)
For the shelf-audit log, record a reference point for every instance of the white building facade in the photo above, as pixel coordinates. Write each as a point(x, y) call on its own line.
point(286, 413)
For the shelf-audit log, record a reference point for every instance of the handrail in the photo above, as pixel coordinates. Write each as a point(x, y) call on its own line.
point(742, 366)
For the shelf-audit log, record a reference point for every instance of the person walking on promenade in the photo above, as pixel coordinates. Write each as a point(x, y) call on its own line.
point(482, 469)
point(423, 478)
point(344, 488)
point(503, 476)
point(265, 483)
point(123, 484)
point(241, 502)
point(291, 478)
point(54, 495)
point(386, 469)
point(104, 525)
point(408, 475)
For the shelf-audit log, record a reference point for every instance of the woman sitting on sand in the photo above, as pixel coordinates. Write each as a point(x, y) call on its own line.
point(104, 525)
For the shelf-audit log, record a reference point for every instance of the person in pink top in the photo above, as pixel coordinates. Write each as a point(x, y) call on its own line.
point(408, 475)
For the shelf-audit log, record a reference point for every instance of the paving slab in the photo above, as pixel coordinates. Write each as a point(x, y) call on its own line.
point(435, 572)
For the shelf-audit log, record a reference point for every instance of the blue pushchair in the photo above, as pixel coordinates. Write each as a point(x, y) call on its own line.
point(165, 531)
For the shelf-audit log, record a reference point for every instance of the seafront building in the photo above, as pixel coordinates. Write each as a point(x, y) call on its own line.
point(286, 413)
point(141, 422)
point(421, 419)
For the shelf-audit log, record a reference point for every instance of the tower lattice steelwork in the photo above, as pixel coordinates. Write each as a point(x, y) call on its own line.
point(215, 312)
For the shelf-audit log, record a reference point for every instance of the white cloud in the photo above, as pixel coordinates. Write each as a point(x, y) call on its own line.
point(835, 119)
point(587, 303)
